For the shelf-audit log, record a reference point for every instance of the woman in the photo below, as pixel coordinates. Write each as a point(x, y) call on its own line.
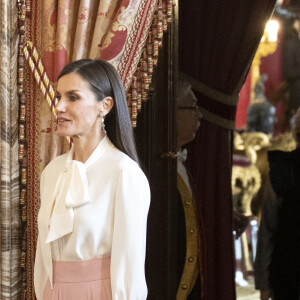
point(94, 199)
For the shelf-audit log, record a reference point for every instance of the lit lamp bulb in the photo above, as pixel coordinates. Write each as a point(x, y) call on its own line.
point(270, 34)
point(267, 46)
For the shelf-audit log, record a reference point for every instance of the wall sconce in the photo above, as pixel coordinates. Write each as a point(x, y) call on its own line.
point(266, 47)
point(270, 34)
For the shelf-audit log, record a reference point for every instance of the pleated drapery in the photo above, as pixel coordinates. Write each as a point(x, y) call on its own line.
point(217, 42)
point(9, 195)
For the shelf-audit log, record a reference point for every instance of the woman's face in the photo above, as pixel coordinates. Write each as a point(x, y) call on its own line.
point(78, 111)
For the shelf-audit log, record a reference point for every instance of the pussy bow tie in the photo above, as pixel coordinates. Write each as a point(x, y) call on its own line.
point(71, 191)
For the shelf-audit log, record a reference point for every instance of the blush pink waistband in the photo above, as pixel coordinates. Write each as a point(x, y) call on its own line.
point(81, 270)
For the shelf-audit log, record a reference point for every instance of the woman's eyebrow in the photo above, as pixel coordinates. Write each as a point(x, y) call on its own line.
point(72, 91)
point(69, 92)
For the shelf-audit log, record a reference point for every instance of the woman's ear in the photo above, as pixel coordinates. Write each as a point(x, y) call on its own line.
point(106, 105)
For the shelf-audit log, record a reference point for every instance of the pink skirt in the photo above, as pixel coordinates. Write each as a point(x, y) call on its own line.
point(80, 280)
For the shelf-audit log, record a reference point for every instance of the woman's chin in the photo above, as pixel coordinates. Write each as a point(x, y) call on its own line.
point(60, 132)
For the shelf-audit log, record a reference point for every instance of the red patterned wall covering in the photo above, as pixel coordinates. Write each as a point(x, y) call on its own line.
point(270, 65)
point(244, 100)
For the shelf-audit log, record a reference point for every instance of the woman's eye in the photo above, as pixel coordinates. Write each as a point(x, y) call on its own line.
point(57, 97)
point(73, 98)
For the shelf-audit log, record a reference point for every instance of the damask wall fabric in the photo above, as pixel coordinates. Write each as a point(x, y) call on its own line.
point(10, 279)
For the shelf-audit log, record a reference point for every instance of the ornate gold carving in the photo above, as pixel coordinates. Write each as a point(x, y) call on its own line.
point(247, 180)
point(283, 142)
point(250, 143)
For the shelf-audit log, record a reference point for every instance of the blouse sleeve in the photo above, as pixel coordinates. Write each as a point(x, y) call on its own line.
point(39, 273)
point(40, 277)
point(129, 235)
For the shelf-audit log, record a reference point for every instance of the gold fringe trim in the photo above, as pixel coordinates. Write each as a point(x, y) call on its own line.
point(23, 11)
point(138, 90)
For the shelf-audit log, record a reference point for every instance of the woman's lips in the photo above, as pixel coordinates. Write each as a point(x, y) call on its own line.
point(62, 120)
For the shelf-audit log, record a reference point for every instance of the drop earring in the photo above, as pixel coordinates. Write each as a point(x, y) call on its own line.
point(102, 120)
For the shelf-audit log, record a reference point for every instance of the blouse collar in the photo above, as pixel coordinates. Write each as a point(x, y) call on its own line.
point(71, 191)
point(103, 147)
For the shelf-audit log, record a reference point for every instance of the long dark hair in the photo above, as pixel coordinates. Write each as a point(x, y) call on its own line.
point(105, 81)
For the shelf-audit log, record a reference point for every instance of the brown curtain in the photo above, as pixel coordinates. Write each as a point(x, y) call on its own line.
point(217, 42)
point(10, 279)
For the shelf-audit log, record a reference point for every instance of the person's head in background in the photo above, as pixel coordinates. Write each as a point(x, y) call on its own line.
point(188, 114)
point(261, 117)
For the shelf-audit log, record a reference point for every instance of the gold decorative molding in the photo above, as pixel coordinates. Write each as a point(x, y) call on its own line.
point(250, 143)
point(283, 142)
point(254, 147)
point(247, 182)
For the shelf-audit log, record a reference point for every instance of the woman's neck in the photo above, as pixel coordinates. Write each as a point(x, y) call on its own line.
point(84, 146)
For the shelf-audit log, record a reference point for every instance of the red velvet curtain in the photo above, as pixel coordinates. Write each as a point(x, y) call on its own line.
point(218, 40)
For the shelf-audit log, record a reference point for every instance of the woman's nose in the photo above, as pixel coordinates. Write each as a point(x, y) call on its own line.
point(60, 106)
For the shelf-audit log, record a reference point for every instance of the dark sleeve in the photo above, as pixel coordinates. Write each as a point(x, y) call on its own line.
point(291, 63)
point(266, 236)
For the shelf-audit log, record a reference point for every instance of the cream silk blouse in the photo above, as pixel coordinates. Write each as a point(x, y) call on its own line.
point(99, 208)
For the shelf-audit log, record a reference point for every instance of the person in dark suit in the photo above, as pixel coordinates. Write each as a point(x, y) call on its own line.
point(277, 263)
point(291, 66)
point(188, 242)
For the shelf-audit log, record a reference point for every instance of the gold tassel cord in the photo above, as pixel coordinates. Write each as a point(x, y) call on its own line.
point(41, 78)
point(50, 98)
